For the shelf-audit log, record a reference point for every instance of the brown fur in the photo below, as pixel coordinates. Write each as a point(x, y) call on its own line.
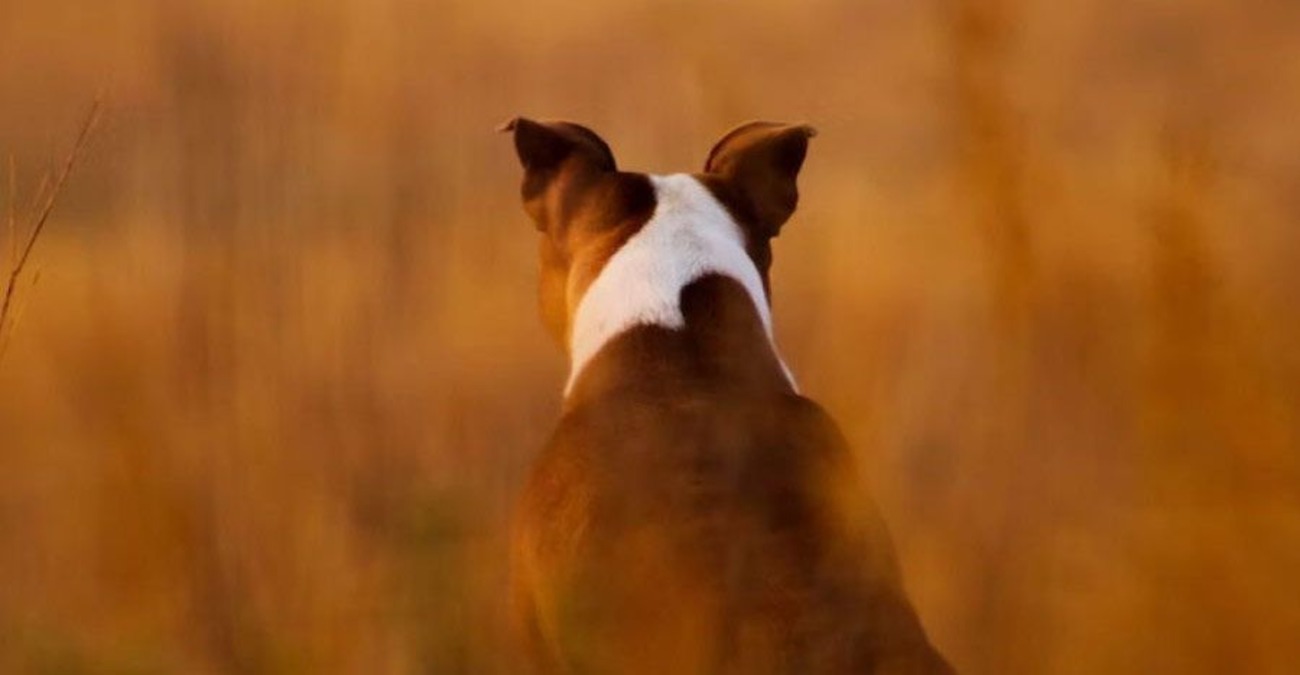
point(691, 513)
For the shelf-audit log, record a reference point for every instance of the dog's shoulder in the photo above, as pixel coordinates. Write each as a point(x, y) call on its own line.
point(780, 458)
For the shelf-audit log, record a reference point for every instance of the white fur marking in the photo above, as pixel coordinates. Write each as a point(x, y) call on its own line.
point(690, 235)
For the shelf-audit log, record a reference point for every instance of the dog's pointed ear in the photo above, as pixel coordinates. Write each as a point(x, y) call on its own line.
point(559, 158)
point(760, 162)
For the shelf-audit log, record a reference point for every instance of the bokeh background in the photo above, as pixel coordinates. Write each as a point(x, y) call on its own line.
point(277, 371)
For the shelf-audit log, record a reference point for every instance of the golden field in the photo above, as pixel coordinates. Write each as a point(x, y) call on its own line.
point(277, 371)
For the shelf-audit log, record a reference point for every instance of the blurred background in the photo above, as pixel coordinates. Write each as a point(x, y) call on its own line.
point(277, 371)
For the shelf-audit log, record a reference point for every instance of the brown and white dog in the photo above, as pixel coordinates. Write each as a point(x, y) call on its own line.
point(691, 513)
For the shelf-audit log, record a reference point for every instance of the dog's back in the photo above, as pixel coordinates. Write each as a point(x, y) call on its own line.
point(691, 513)
point(712, 535)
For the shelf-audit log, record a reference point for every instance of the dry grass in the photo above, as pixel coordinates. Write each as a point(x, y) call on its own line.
point(46, 198)
point(268, 409)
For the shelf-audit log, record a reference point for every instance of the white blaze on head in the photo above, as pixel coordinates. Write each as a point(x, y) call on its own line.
point(689, 236)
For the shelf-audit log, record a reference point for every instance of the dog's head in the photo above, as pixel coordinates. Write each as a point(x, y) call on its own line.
point(586, 209)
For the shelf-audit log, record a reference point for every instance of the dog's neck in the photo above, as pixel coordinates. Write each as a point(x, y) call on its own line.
point(690, 236)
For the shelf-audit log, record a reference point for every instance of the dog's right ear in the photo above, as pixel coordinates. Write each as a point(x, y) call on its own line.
point(760, 163)
point(560, 159)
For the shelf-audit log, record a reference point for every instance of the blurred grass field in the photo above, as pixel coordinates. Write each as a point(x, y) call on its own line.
point(278, 371)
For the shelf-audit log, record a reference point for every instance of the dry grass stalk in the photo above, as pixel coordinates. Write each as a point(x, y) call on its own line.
point(46, 197)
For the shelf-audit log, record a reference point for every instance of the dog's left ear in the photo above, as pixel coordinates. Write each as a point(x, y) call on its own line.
point(760, 162)
point(560, 161)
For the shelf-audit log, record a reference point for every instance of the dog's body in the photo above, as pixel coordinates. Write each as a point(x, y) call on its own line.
point(692, 513)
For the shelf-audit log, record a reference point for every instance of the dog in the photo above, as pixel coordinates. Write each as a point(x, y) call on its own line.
point(691, 512)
